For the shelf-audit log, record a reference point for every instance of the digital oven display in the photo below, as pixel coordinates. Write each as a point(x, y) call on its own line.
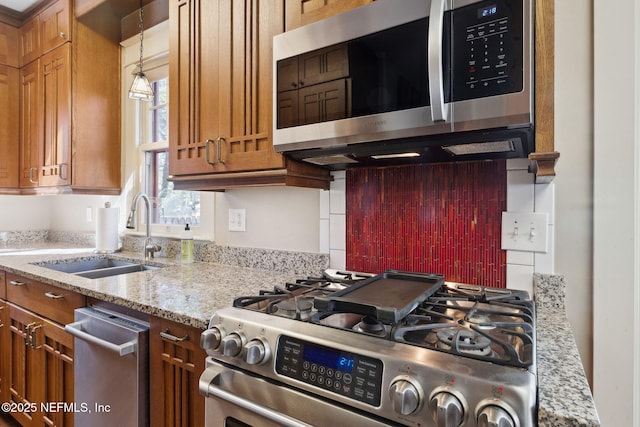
point(334, 370)
point(327, 358)
point(485, 12)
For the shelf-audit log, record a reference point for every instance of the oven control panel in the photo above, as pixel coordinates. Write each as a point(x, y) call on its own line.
point(338, 371)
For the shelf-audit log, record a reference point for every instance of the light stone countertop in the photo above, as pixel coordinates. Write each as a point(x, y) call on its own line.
point(564, 396)
point(185, 293)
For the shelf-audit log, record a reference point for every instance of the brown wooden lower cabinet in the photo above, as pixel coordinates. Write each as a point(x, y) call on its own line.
point(176, 362)
point(38, 373)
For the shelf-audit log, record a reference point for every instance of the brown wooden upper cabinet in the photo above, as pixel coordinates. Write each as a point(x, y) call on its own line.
point(303, 12)
point(220, 111)
point(67, 108)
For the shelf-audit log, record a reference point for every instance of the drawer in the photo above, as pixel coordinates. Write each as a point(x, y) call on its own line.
point(46, 300)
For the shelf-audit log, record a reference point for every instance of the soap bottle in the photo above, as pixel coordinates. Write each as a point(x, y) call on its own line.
point(187, 245)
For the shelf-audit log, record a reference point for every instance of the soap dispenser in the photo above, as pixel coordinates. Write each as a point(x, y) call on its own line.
point(187, 245)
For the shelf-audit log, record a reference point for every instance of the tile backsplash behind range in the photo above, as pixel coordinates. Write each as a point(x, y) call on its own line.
point(439, 218)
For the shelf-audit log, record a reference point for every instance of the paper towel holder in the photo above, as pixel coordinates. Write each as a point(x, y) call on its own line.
point(106, 251)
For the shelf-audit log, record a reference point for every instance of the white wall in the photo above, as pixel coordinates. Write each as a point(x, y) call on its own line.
point(574, 170)
point(19, 213)
point(616, 267)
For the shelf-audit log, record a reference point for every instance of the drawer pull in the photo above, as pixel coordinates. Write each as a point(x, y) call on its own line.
point(16, 283)
point(166, 335)
point(52, 295)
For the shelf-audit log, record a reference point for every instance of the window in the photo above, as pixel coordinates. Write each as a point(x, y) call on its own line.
point(169, 206)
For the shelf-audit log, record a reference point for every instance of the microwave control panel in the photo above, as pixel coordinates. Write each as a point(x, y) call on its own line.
point(487, 49)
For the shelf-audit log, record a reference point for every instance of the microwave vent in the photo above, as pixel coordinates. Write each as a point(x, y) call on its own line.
point(330, 160)
point(480, 148)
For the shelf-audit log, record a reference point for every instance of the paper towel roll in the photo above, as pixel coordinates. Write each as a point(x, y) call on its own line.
point(107, 230)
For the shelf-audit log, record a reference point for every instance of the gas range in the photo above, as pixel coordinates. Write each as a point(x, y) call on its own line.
point(399, 348)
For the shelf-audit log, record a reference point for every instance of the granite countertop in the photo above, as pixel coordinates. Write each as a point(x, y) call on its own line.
point(564, 396)
point(185, 293)
point(191, 293)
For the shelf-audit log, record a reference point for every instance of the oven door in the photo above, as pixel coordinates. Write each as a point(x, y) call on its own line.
point(238, 399)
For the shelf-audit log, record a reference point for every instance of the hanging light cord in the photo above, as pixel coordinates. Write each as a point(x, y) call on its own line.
point(141, 26)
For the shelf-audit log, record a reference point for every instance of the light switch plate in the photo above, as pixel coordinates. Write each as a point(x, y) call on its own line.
point(237, 220)
point(525, 231)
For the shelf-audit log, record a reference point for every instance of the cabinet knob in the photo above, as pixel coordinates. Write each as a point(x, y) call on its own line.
point(62, 35)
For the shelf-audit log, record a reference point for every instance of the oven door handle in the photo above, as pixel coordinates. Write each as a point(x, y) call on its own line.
point(214, 376)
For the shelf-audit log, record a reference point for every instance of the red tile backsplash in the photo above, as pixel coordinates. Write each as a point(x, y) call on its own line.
point(439, 218)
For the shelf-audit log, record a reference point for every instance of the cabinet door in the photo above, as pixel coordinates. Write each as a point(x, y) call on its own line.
point(245, 96)
point(54, 25)
point(176, 364)
point(193, 85)
point(9, 129)
point(30, 128)
point(56, 89)
point(30, 40)
point(9, 42)
point(4, 349)
point(57, 350)
point(25, 368)
point(303, 12)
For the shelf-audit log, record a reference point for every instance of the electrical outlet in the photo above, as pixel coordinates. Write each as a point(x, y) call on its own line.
point(237, 220)
point(523, 231)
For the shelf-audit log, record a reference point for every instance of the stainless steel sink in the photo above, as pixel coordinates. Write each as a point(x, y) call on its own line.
point(95, 268)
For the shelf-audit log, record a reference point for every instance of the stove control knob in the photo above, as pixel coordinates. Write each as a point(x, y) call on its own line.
point(446, 409)
point(494, 416)
point(257, 352)
point(211, 338)
point(406, 395)
point(232, 344)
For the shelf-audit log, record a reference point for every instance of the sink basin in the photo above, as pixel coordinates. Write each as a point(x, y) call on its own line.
point(95, 268)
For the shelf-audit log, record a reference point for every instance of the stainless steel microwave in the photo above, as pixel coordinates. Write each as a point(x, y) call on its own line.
point(407, 81)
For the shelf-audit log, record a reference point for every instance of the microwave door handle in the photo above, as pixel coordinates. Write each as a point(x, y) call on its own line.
point(434, 56)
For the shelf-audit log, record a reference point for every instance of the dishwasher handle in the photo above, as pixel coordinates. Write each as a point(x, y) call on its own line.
point(123, 349)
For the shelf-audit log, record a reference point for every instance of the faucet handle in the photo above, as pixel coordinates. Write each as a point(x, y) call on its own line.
point(150, 248)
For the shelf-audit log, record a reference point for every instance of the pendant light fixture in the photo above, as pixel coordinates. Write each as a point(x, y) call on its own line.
point(141, 88)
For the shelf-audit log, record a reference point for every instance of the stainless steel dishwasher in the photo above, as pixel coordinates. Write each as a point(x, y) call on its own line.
point(111, 368)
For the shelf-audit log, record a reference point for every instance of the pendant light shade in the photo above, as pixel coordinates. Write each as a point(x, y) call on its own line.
point(141, 88)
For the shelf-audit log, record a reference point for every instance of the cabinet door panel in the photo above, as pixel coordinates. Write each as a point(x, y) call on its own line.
point(193, 84)
point(56, 80)
point(25, 368)
point(175, 365)
point(9, 129)
point(9, 42)
point(30, 128)
point(30, 40)
point(57, 348)
point(246, 82)
point(54, 24)
point(303, 12)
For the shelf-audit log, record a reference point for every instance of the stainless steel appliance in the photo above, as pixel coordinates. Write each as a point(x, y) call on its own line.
point(111, 368)
point(420, 80)
point(353, 349)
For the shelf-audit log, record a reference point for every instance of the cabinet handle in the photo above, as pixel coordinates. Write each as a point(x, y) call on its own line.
point(207, 144)
point(34, 337)
point(62, 35)
point(16, 283)
point(27, 334)
point(220, 141)
point(53, 296)
point(31, 180)
point(66, 175)
point(166, 335)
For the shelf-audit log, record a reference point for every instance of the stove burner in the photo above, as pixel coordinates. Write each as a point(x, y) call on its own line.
point(371, 326)
point(295, 308)
point(464, 341)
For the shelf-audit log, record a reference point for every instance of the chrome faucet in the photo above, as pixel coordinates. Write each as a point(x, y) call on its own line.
point(149, 246)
